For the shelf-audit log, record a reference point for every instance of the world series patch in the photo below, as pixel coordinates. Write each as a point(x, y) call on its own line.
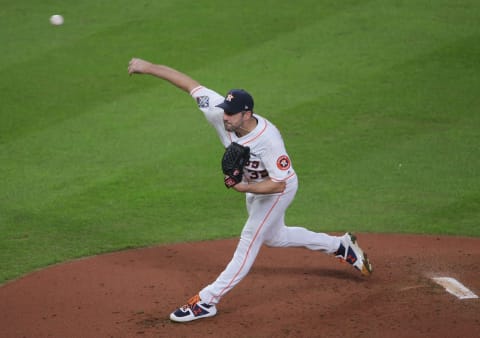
point(203, 101)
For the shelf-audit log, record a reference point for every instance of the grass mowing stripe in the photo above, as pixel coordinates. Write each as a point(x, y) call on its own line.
point(355, 88)
point(322, 58)
point(68, 68)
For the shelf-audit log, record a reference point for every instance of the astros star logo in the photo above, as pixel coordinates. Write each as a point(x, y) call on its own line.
point(229, 97)
point(283, 162)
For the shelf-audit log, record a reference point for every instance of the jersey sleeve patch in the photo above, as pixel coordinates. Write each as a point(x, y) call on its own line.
point(283, 162)
point(203, 101)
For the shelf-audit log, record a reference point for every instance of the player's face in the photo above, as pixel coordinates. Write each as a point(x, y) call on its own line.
point(234, 122)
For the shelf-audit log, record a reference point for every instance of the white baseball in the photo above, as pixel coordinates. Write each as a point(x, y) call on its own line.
point(56, 20)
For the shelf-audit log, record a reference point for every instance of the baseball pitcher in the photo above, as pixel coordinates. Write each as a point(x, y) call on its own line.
point(257, 164)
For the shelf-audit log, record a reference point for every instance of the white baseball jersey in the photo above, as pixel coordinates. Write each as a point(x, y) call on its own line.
point(268, 156)
point(266, 213)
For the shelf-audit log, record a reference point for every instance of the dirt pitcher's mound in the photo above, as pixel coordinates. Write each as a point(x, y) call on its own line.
point(288, 293)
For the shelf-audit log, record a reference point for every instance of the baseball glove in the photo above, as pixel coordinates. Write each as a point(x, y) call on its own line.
point(234, 159)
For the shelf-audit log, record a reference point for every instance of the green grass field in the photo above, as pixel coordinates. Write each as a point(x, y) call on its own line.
point(378, 102)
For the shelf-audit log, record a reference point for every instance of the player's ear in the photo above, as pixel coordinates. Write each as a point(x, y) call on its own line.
point(248, 114)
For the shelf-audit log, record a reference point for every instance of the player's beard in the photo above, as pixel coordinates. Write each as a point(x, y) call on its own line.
point(236, 124)
point(231, 127)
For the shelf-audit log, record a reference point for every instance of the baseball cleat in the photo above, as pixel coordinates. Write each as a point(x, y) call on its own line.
point(194, 309)
point(350, 252)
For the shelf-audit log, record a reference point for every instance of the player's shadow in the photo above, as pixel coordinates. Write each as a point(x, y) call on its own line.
point(348, 273)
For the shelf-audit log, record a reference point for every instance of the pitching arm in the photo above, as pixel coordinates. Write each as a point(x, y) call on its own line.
point(179, 79)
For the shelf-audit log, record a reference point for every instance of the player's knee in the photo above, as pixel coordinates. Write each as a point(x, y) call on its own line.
point(274, 242)
point(269, 243)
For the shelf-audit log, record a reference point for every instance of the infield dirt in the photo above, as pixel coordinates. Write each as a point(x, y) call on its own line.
point(288, 293)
